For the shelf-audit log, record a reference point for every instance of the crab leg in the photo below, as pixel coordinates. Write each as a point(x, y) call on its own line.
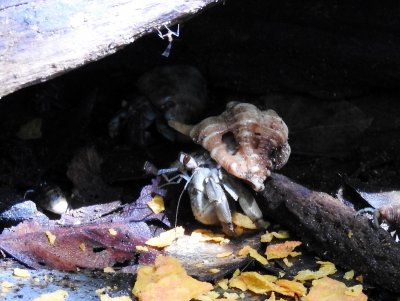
point(216, 195)
point(246, 200)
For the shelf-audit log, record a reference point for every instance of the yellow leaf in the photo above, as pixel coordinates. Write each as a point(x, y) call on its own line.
point(247, 250)
point(167, 281)
point(327, 268)
point(166, 238)
point(257, 283)
point(355, 290)
point(243, 221)
point(349, 275)
point(58, 295)
point(207, 235)
point(223, 283)
point(157, 204)
point(268, 236)
point(51, 237)
point(293, 286)
point(281, 250)
point(327, 289)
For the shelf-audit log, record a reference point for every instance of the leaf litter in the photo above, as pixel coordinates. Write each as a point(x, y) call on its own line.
point(103, 236)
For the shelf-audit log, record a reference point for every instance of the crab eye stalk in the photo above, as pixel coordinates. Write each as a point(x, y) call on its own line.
point(187, 161)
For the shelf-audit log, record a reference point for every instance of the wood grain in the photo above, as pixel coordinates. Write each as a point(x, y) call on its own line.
point(42, 39)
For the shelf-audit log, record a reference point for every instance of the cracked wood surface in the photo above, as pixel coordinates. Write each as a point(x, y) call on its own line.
point(43, 39)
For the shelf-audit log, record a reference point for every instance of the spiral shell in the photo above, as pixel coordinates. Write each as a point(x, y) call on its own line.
point(245, 141)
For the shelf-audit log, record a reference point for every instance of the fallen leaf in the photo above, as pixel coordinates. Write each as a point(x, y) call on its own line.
point(268, 236)
point(166, 238)
point(167, 280)
point(297, 288)
point(257, 283)
point(349, 275)
point(51, 237)
point(157, 204)
point(243, 221)
point(231, 296)
point(58, 295)
point(198, 257)
point(287, 262)
point(85, 242)
point(273, 298)
point(281, 250)
point(327, 268)
point(223, 283)
point(247, 250)
point(327, 289)
point(208, 235)
point(354, 291)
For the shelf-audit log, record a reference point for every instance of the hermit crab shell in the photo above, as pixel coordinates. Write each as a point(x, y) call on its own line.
point(247, 142)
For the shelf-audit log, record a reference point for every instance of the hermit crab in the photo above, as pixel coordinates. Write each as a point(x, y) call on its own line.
point(247, 142)
point(385, 208)
point(212, 191)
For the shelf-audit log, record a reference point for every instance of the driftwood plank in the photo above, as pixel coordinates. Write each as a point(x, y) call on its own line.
point(42, 39)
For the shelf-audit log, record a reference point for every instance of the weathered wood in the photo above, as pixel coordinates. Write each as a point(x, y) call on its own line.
point(333, 230)
point(42, 39)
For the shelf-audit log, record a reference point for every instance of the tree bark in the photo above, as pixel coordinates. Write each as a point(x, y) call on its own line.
point(333, 230)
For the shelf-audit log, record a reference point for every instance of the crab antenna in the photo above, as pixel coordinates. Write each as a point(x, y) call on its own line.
point(180, 197)
point(180, 127)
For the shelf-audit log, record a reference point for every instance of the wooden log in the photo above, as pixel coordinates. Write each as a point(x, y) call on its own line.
point(333, 230)
point(42, 39)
